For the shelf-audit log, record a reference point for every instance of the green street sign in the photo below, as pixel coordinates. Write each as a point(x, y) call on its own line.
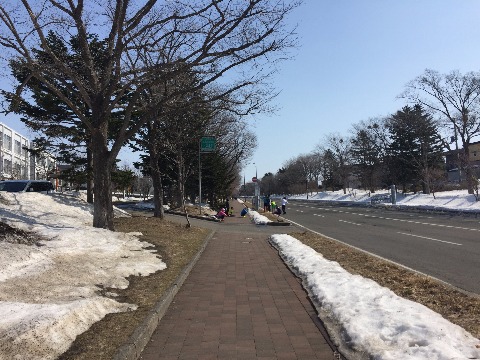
point(208, 144)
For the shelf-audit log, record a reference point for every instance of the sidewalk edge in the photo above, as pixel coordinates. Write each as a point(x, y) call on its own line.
point(140, 337)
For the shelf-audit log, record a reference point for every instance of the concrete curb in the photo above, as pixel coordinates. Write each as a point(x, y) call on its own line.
point(140, 337)
point(278, 223)
point(200, 217)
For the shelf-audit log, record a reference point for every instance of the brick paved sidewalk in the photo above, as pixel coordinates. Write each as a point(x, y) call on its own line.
point(239, 302)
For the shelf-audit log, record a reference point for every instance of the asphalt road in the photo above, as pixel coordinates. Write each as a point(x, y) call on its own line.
point(445, 246)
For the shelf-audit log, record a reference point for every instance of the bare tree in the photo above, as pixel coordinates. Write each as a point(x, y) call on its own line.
point(456, 98)
point(206, 36)
point(308, 168)
point(368, 151)
point(339, 150)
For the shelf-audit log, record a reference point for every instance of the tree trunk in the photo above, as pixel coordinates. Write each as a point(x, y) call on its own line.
point(180, 180)
point(157, 186)
point(468, 169)
point(89, 174)
point(102, 160)
point(155, 171)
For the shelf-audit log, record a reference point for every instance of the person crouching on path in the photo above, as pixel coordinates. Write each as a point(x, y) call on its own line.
point(284, 204)
point(221, 214)
point(244, 211)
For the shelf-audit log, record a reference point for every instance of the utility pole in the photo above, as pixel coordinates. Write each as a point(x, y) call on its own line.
point(206, 144)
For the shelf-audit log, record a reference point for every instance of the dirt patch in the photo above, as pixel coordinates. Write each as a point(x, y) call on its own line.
point(176, 245)
point(459, 308)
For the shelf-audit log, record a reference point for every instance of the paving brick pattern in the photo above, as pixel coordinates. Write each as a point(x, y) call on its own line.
point(239, 302)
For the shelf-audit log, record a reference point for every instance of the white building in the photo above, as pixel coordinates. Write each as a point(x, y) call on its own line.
point(14, 158)
point(43, 167)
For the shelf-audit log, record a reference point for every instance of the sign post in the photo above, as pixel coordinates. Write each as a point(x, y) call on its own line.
point(207, 144)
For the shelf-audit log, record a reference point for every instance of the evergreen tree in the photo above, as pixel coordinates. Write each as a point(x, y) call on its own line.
point(62, 132)
point(415, 148)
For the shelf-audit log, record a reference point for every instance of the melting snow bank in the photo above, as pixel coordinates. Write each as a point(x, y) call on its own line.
point(44, 331)
point(257, 218)
point(50, 293)
point(365, 318)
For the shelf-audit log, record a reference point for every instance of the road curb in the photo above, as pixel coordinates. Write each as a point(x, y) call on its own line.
point(133, 348)
point(200, 217)
point(278, 223)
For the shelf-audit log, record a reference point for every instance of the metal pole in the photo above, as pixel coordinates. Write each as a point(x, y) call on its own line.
point(393, 193)
point(459, 163)
point(199, 178)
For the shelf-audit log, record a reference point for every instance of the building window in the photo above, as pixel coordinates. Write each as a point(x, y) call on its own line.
point(17, 170)
point(18, 147)
point(7, 142)
point(7, 166)
point(474, 153)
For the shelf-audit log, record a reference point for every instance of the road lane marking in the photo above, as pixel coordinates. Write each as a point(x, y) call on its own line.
point(428, 238)
point(349, 222)
point(403, 220)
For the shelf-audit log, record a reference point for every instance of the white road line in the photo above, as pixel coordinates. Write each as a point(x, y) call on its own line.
point(407, 221)
point(403, 220)
point(428, 238)
point(319, 215)
point(349, 222)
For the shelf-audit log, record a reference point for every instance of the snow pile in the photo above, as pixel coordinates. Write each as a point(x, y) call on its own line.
point(149, 205)
point(448, 200)
point(257, 218)
point(451, 200)
point(352, 195)
point(49, 293)
point(371, 319)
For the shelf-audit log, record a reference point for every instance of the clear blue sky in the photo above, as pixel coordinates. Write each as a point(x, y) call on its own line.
point(354, 59)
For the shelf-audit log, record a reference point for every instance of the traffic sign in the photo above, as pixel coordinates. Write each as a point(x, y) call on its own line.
point(208, 144)
point(254, 179)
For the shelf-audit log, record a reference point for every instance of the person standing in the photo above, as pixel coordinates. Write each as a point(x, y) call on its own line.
point(266, 203)
point(284, 204)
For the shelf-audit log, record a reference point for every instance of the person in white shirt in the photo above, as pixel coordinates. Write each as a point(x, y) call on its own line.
point(284, 204)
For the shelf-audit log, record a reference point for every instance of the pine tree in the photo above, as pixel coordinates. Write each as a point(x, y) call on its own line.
point(415, 148)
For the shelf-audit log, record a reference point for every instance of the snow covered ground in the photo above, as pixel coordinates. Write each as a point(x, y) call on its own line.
point(449, 200)
point(49, 292)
